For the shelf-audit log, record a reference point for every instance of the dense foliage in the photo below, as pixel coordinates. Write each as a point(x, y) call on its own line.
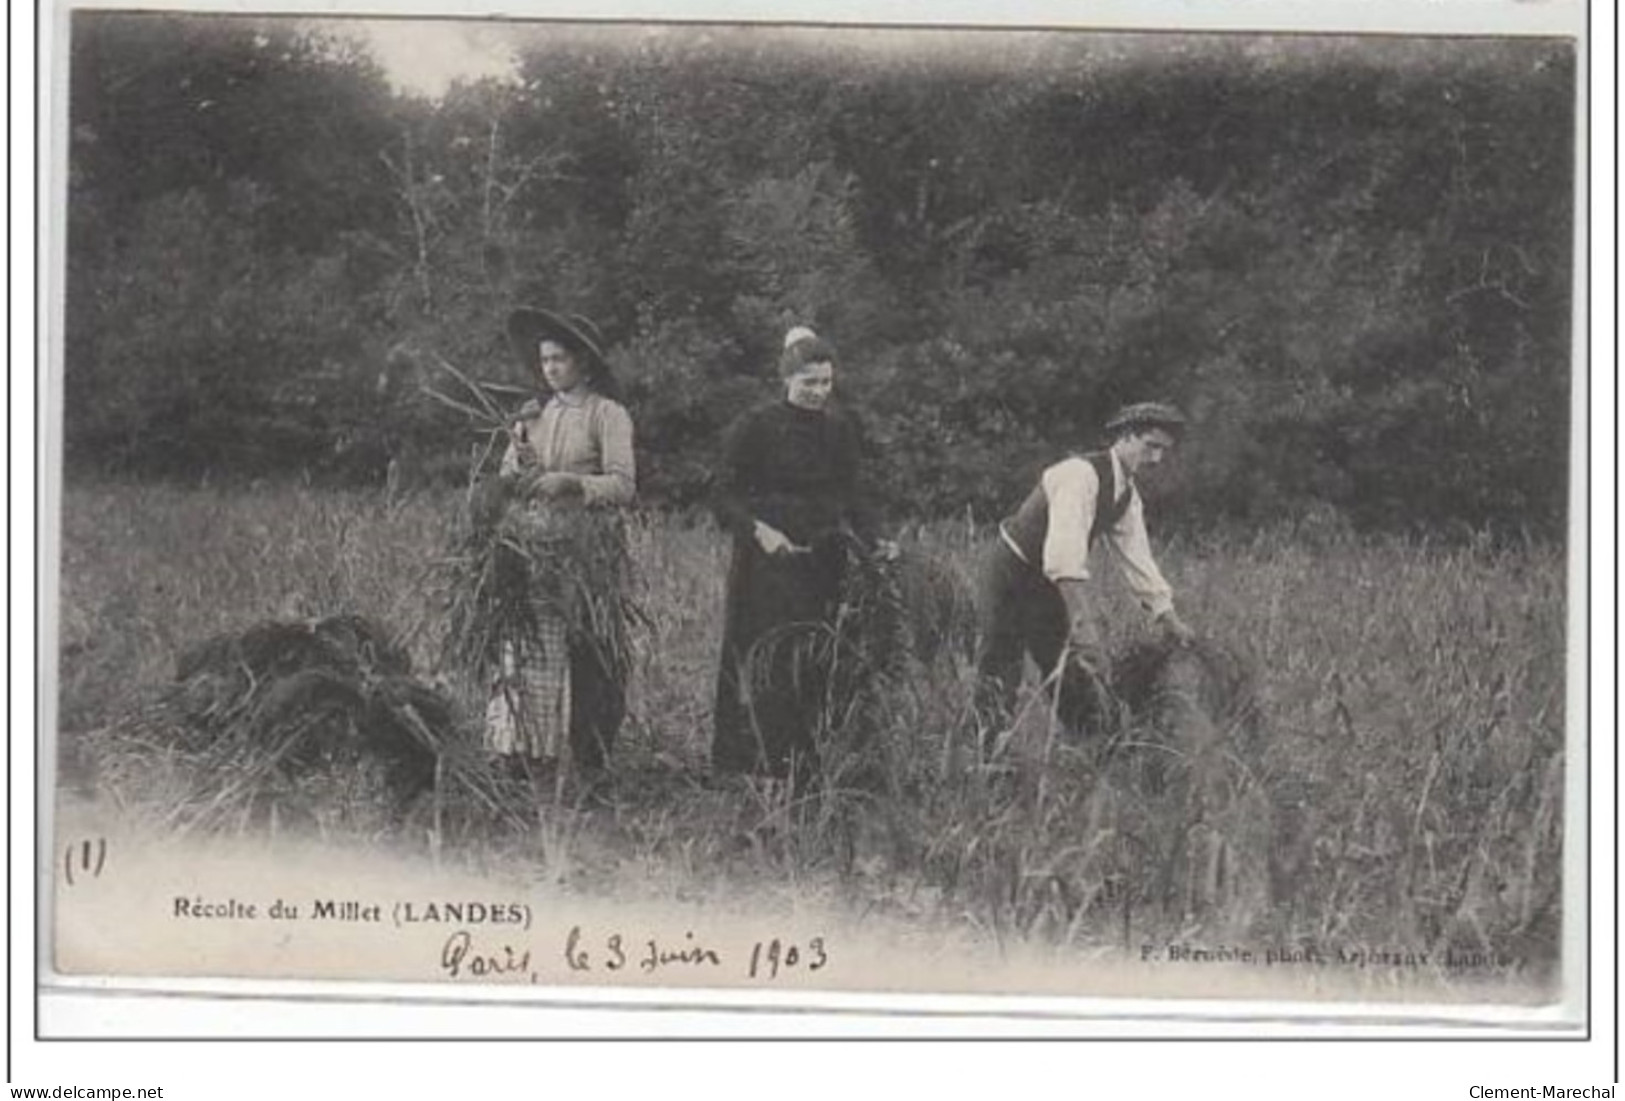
point(1349, 258)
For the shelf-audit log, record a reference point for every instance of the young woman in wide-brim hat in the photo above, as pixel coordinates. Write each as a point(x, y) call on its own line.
point(558, 690)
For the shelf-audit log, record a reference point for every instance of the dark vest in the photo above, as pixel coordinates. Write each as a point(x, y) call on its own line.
point(1029, 524)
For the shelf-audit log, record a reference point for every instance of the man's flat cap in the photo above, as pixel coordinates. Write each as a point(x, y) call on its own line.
point(1147, 414)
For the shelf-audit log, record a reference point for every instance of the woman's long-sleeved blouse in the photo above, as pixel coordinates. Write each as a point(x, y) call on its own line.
point(795, 469)
point(589, 436)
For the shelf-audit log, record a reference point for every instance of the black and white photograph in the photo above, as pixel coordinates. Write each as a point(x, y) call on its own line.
point(788, 510)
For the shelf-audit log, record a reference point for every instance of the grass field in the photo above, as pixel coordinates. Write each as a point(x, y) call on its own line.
point(1401, 788)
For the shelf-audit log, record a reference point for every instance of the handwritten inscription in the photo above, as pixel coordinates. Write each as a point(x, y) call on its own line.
point(612, 953)
point(767, 960)
point(648, 955)
point(458, 958)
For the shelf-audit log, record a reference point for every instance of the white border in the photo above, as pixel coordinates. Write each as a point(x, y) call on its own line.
point(1356, 1064)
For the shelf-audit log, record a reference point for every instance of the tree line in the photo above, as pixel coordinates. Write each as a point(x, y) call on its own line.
point(1349, 259)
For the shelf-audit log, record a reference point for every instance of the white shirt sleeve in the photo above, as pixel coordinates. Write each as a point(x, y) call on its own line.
point(1070, 488)
point(1133, 548)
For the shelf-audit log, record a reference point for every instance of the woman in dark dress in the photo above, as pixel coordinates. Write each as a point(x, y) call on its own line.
point(790, 495)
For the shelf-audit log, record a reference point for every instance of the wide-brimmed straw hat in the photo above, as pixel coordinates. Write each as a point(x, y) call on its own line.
point(528, 326)
point(1147, 414)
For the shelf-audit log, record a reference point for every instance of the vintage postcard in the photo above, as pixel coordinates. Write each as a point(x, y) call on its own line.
point(1037, 516)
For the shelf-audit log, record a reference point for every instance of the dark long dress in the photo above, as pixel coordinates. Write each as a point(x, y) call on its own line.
point(799, 471)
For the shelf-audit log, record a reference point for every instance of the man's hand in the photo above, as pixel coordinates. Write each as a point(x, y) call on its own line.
point(1082, 625)
point(1175, 628)
point(775, 542)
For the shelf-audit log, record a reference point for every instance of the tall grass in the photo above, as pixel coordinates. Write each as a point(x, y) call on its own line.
point(1397, 785)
